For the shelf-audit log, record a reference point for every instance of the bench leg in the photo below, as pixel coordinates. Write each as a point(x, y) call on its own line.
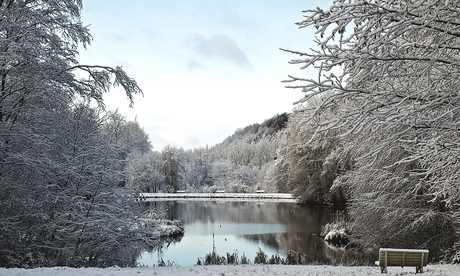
point(383, 269)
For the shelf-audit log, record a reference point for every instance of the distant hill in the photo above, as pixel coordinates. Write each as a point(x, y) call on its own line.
point(255, 132)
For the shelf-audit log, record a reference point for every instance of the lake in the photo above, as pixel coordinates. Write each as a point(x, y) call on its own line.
point(243, 227)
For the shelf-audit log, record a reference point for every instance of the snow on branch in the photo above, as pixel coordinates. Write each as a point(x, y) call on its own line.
point(99, 81)
point(389, 73)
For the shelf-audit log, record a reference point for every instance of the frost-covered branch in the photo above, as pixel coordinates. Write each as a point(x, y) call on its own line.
point(390, 71)
point(99, 81)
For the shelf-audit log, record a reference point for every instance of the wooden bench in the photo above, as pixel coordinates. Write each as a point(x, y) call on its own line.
point(403, 257)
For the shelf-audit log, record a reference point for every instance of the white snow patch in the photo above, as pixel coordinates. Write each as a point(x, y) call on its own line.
point(228, 270)
point(336, 236)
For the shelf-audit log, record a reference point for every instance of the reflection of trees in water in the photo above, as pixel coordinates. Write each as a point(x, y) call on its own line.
point(128, 255)
point(131, 255)
point(163, 243)
point(161, 209)
point(303, 225)
point(310, 245)
point(297, 218)
point(314, 249)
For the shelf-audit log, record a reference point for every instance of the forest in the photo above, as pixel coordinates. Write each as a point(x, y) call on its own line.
point(376, 135)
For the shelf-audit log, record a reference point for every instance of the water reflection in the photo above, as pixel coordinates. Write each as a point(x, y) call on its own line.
point(275, 227)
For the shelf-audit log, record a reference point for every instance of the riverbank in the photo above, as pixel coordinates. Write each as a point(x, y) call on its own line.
point(228, 270)
point(220, 195)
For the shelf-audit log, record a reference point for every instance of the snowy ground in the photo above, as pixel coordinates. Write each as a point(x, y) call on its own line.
point(228, 270)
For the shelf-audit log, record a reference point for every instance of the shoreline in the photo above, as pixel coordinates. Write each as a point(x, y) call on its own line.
point(253, 270)
point(228, 196)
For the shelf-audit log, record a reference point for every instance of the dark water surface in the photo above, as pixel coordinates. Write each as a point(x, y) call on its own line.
point(242, 227)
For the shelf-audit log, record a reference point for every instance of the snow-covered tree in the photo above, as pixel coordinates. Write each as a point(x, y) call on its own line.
point(391, 69)
point(232, 178)
point(38, 42)
point(171, 158)
point(60, 202)
point(128, 135)
point(303, 167)
point(195, 170)
point(59, 170)
point(144, 171)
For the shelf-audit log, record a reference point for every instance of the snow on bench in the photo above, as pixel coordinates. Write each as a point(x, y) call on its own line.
point(402, 257)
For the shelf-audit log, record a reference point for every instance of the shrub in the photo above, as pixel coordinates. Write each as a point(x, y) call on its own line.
point(261, 257)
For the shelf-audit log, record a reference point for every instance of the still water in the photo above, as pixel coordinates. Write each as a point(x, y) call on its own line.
point(242, 227)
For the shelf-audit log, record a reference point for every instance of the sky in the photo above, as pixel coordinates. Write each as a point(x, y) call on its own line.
point(206, 67)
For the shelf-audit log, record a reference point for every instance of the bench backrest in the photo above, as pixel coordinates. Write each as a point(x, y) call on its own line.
point(403, 257)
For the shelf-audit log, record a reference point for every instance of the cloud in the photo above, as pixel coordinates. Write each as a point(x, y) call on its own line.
point(193, 64)
point(219, 47)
